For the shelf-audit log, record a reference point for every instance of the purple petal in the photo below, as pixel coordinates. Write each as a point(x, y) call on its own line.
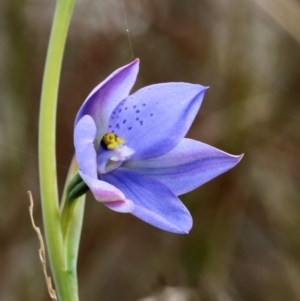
point(105, 97)
point(153, 202)
point(154, 119)
point(84, 136)
point(187, 166)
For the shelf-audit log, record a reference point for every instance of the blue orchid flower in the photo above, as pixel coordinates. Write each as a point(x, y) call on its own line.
point(132, 153)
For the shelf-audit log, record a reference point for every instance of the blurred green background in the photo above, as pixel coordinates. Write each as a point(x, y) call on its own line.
point(245, 242)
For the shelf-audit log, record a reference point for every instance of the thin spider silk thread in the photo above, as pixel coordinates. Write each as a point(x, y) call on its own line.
point(27, 153)
point(127, 30)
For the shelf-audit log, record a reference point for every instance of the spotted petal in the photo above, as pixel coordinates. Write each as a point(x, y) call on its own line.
point(153, 202)
point(187, 166)
point(154, 119)
point(105, 97)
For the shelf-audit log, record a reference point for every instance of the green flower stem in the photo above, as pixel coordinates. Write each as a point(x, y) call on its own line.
point(72, 235)
point(72, 211)
point(65, 282)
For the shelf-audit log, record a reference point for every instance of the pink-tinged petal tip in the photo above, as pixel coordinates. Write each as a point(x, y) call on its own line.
point(102, 191)
point(124, 206)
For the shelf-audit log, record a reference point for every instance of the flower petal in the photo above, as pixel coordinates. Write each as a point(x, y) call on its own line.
point(105, 97)
point(187, 166)
point(84, 136)
point(154, 119)
point(153, 202)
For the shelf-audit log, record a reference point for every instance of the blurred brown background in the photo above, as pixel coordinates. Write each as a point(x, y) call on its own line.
point(245, 242)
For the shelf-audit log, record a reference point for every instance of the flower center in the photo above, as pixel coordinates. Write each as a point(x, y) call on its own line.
point(112, 153)
point(111, 141)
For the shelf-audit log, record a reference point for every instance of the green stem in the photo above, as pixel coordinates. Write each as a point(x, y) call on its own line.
point(71, 221)
point(72, 235)
point(65, 282)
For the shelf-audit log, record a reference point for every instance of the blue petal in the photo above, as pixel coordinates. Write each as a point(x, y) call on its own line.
point(154, 119)
point(105, 97)
point(153, 202)
point(84, 136)
point(187, 166)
